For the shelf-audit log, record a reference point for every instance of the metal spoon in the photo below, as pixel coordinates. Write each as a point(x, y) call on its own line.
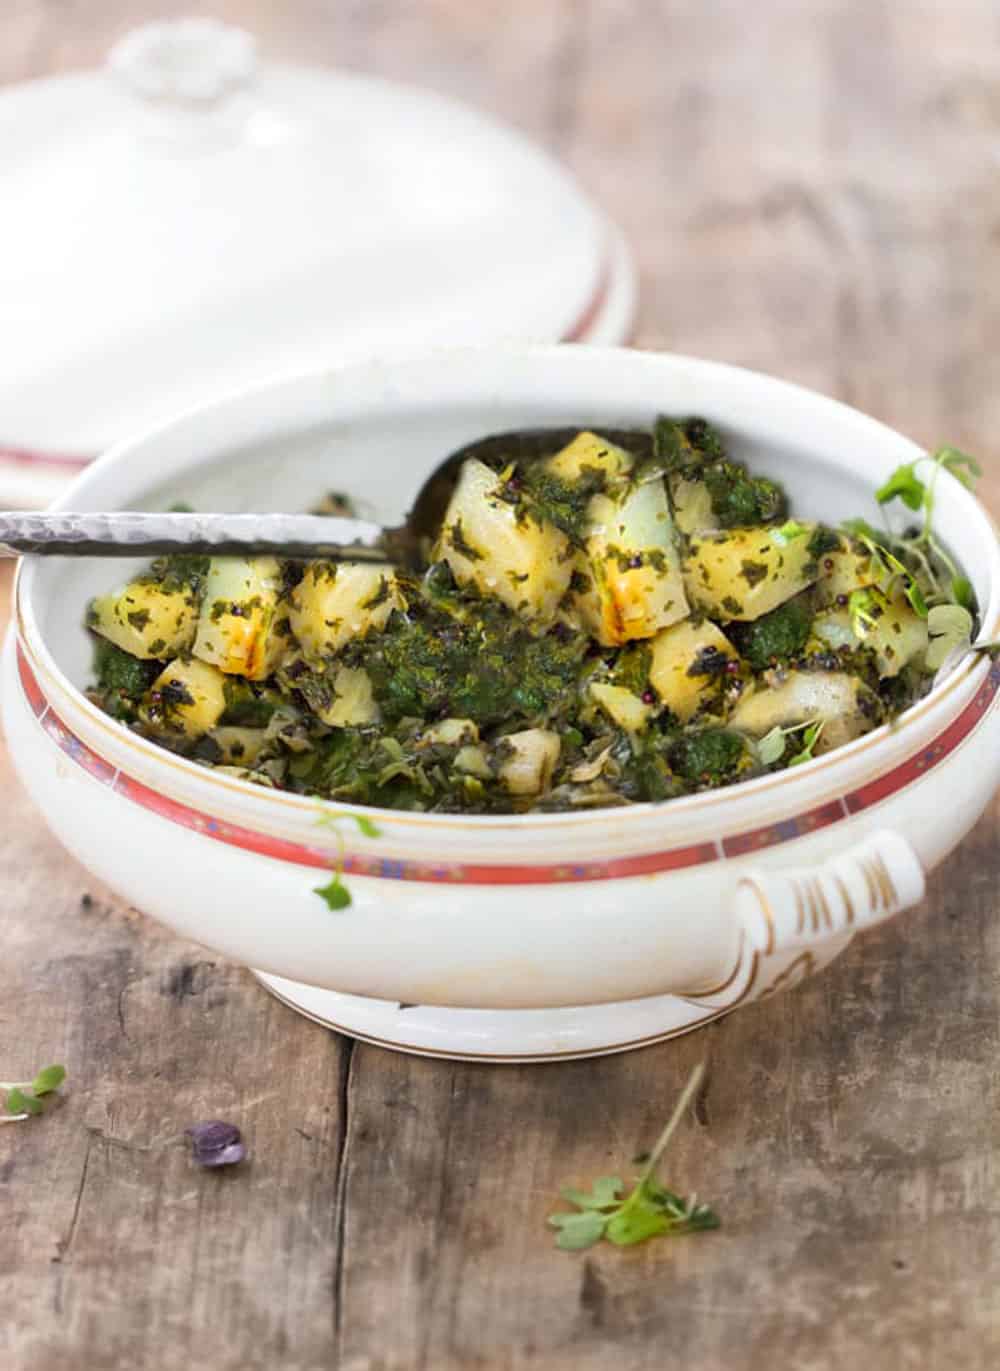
point(129, 533)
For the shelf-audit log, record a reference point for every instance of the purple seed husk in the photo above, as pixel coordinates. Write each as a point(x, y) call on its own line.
point(215, 1143)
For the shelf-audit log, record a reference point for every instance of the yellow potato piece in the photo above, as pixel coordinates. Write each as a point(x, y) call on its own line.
point(354, 702)
point(589, 451)
point(335, 603)
point(631, 567)
point(145, 620)
point(844, 570)
point(675, 651)
point(242, 627)
point(623, 707)
point(743, 573)
point(802, 697)
point(524, 563)
point(897, 636)
point(692, 506)
point(188, 697)
point(240, 746)
point(531, 760)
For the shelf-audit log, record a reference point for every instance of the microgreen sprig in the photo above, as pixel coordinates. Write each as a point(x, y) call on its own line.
point(335, 892)
point(771, 748)
point(25, 1099)
point(648, 1211)
point(917, 494)
point(810, 737)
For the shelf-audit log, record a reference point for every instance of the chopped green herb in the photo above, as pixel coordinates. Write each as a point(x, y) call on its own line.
point(559, 502)
point(753, 572)
point(823, 540)
point(777, 636)
point(460, 543)
point(708, 757)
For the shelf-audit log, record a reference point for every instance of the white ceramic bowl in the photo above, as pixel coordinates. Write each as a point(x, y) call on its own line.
point(503, 937)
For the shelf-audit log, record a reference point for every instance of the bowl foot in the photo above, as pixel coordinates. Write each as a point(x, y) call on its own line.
point(495, 1035)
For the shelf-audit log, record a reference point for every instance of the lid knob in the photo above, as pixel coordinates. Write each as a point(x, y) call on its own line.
point(184, 62)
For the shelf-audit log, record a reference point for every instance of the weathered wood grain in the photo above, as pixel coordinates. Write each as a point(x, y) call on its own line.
point(811, 189)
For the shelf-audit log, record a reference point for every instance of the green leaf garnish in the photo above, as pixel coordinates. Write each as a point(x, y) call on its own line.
point(771, 748)
point(48, 1079)
point(20, 1103)
point(904, 484)
point(962, 592)
point(605, 1191)
point(25, 1099)
point(861, 528)
point(577, 1231)
point(915, 596)
point(647, 1211)
point(950, 628)
point(922, 582)
point(810, 738)
point(965, 468)
point(335, 892)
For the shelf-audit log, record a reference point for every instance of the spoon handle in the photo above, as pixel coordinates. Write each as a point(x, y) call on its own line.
point(131, 534)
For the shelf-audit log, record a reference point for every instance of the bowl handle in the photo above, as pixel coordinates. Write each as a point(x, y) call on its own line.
point(795, 920)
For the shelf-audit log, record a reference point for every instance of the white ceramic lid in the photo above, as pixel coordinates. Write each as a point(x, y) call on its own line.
point(187, 222)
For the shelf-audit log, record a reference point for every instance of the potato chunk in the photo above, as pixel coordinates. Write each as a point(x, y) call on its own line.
point(334, 603)
point(242, 627)
point(630, 567)
point(528, 760)
point(894, 632)
point(239, 746)
point(522, 562)
point(842, 570)
point(144, 619)
point(353, 702)
point(625, 709)
point(450, 733)
point(745, 572)
point(843, 703)
point(677, 654)
point(187, 698)
point(692, 505)
point(589, 452)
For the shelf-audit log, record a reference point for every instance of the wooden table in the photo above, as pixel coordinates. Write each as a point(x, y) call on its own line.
point(812, 189)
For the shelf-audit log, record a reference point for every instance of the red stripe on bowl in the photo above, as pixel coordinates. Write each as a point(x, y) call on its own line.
point(784, 830)
point(914, 767)
point(19, 456)
point(32, 690)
